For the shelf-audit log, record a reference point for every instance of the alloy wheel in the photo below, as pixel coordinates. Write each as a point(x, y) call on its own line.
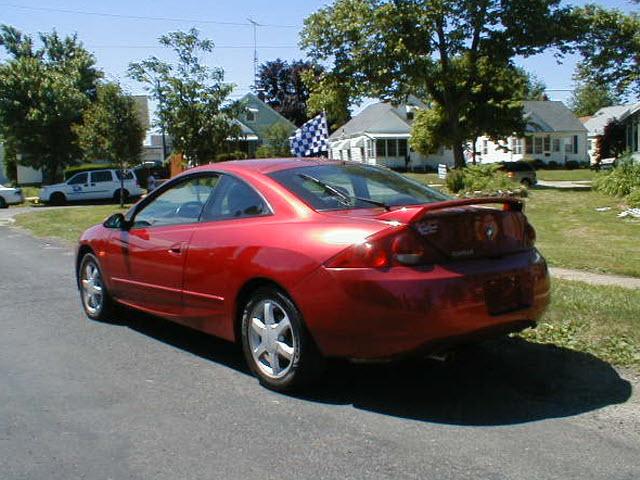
point(92, 289)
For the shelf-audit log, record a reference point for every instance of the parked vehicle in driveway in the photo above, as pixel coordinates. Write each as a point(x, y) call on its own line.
point(92, 185)
point(10, 196)
point(521, 172)
point(301, 260)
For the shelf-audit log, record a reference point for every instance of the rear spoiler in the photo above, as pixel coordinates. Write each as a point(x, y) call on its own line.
point(508, 204)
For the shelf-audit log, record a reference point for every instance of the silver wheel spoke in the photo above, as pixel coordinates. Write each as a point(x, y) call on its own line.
point(274, 362)
point(257, 326)
point(268, 314)
point(283, 326)
point(285, 350)
point(259, 350)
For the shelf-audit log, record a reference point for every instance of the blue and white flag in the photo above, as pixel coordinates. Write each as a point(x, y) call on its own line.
point(311, 138)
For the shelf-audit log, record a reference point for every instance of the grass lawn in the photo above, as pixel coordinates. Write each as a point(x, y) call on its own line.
point(603, 321)
point(65, 223)
point(30, 191)
point(558, 175)
point(426, 178)
point(572, 234)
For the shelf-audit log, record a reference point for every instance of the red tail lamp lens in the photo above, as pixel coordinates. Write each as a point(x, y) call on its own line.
point(408, 249)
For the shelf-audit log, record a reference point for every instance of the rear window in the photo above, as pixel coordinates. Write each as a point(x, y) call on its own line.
point(346, 186)
point(127, 175)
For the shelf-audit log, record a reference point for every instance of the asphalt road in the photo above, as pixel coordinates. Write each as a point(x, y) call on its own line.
point(144, 399)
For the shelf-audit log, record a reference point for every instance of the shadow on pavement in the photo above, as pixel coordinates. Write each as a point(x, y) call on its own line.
point(503, 382)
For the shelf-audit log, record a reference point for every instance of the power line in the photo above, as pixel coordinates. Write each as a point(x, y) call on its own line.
point(142, 17)
point(246, 47)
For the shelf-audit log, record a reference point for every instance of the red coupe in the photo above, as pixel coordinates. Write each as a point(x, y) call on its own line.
point(302, 259)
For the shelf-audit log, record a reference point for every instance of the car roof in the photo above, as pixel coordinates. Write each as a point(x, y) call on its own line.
point(264, 166)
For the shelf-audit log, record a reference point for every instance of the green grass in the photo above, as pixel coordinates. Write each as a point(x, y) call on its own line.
point(603, 321)
point(569, 175)
point(30, 191)
point(66, 224)
point(572, 234)
point(426, 178)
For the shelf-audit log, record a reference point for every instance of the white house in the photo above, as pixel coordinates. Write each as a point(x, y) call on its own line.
point(553, 134)
point(379, 135)
point(632, 125)
point(597, 124)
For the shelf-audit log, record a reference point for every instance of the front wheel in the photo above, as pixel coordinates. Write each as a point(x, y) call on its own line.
point(95, 298)
point(275, 342)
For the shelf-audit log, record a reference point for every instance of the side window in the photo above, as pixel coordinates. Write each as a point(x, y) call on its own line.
point(181, 204)
point(101, 177)
point(128, 175)
point(80, 178)
point(235, 199)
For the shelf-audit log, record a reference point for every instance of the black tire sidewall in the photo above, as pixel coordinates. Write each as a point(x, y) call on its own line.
point(3, 203)
point(58, 198)
point(306, 355)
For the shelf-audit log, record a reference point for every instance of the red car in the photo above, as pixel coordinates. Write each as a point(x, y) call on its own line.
point(300, 260)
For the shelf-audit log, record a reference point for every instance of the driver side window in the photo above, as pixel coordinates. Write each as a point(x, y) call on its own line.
point(181, 204)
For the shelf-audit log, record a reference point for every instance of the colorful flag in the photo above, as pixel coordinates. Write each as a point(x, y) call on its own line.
point(312, 138)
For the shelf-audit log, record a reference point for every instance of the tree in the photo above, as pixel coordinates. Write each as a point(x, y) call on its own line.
point(590, 96)
point(326, 94)
point(281, 86)
point(611, 49)
point(111, 129)
point(447, 48)
point(276, 138)
point(193, 99)
point(535, 88)
point(43, 93)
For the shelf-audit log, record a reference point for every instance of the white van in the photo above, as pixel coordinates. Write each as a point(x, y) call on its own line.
point(92, 185)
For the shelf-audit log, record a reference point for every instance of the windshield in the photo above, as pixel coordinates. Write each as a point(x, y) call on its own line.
point(364, 185)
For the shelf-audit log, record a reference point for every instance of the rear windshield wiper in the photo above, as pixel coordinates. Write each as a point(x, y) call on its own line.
point(345, 198)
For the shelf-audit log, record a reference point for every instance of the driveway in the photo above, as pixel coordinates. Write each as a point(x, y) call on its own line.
point(142, 398)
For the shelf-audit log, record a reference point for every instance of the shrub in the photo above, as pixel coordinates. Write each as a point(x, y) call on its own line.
point(621, 181)
point(487, 179)
point(455, 180)
point(536, 163)
point(633, 199)
point(552, 165)
point(572, 164)
point(237, 155)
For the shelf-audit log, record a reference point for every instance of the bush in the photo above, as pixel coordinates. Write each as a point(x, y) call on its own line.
point(552, 165)
point(572, 164)
point(621, 181)
point(487, 179)
point(536, 163)
point(237, 155)
point(633, 199)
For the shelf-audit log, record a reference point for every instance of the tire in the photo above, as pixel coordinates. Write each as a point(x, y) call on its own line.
point(116, 196)
point(286, 346)
point(3, 203)
point(99, 310)
point(526, 182)
point(57, 198)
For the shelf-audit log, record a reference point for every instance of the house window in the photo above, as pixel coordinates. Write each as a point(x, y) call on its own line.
point(392, 148)
point(547, 143)
point(402, 148)
point(568, 145)
point(575, 144)
point(537, 143)
point(556, 144)
point(528, 142)
point(516, 146)
point(629, 136)
point(370, 149)
point(485, 147)
point(252, 115)
point(381, 148)
point(410, 115)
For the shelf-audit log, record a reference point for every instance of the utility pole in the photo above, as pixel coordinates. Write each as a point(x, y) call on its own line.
point(255, 50)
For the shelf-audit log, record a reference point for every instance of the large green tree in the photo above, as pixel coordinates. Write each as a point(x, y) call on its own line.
point(43, 94)
point(453, 50)
point(611, 49)
point(193, 99)
point(111, 129)
point(590, 96)
point(280, 85)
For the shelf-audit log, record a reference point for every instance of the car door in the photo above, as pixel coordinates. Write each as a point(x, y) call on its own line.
point(147, 261)
point(221, 246)
point(76, 188)
point(100, 185)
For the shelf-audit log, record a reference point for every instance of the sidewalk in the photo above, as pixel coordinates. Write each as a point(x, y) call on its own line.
point(595, 278)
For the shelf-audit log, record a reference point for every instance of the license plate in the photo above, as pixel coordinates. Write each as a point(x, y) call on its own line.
point(507, 293)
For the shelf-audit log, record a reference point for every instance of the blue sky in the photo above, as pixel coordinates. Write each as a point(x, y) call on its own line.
point(116, 41)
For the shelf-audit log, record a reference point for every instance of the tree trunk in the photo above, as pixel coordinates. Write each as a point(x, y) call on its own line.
point(458, 155)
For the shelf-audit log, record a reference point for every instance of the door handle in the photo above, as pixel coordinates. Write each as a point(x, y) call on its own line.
point(176, 249)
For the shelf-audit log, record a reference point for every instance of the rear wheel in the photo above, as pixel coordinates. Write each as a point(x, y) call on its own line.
point(275, 342)
point(57, 198)
point(3, 203)
point(95, 298)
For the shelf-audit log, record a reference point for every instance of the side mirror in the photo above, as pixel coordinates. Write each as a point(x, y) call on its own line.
point(116, 221)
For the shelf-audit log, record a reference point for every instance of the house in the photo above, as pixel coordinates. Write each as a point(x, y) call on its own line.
point(257, 118)
point(631, 122)
point(596, 126)
point(379, 135)
point(553, 134)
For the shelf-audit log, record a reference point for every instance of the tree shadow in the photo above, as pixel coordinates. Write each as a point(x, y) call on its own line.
point(502, 382)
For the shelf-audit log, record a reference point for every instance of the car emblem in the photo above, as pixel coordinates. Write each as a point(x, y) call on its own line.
point(490, 232)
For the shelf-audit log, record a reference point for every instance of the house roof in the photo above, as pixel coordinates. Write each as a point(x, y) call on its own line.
point(604, 116)
point(375, 118)
point(253, 98)
point(550, 116)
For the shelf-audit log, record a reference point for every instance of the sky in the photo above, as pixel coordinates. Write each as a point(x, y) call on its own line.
point(117, 40)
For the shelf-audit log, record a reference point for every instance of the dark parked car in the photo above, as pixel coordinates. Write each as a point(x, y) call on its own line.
point(520, 172)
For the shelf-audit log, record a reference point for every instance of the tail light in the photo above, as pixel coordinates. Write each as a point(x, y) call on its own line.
point(400, 246)
point(511, 174)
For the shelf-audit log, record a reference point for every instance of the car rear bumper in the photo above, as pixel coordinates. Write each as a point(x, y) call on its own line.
point(370, 314)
